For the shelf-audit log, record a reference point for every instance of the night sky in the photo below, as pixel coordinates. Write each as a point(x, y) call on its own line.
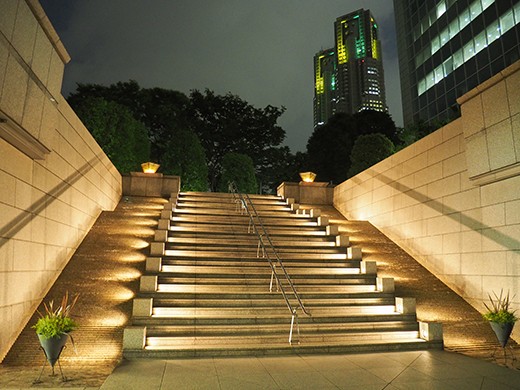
point(260, 50)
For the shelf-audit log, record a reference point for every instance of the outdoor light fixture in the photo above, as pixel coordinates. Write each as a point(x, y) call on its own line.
point(150, 167)
point(308, 177)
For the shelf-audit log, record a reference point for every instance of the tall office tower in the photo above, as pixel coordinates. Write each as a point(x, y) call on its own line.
point(447, 47)
point(349, 77)
point(324, 86)
point(360, 78)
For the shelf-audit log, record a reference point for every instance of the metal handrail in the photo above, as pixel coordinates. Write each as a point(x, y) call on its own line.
point(242, 201)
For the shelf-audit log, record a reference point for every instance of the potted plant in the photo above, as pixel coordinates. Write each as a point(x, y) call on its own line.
point(53, 327)
point(501, 318)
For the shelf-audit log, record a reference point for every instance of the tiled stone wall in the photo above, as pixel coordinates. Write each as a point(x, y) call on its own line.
point(54, 178)
point(452, 199)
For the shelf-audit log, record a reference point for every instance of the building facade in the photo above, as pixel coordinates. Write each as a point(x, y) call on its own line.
point(349, 78)
point(324, 86)
point(448, 47)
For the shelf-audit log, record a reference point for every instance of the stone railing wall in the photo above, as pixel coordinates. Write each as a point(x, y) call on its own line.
point(452, 199)
point(54, 178)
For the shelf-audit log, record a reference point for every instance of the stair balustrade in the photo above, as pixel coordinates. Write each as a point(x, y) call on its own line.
point(245, 204)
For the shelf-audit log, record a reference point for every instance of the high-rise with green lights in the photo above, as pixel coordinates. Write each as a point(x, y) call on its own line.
point(349, 78)
point(324, 86)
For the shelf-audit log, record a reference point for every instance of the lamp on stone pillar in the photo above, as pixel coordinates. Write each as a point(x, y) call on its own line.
point(308, 177)
point(150, 167)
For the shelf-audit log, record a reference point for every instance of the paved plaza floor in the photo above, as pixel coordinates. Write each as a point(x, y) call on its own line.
point(389, 371)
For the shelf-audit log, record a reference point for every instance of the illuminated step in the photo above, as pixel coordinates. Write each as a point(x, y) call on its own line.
point(252, 240)
point(265, 270)
point(261, 329)
point(205, 341)
point(248, 255)
point(266, 302)
point(241, 219)
point(241, 229)
point(288, 263)
point(259, 312)
point(217, 288)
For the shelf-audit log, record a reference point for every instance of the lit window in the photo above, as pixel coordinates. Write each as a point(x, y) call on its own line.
point(430, 80)
point(468, 50)
point(486, 3)
point(436, 45)
point(507, 21)
point(480, 42)
point(493, 31)
point(445, 36)
point(458, 59)
point(448, 66)
point(441, 9)
point(475, 9)
point(421, 88)
point(439, 75)
point(464, 19)
point(454, 28)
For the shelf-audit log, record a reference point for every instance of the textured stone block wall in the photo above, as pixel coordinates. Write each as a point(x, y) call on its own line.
point(452, 199)
point(54, 178)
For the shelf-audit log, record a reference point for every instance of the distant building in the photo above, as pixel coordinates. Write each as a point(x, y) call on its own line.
point(448, 47)
point(350, 78)
point(324, 86)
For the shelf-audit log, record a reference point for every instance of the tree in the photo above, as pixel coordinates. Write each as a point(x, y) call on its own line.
point(328, 147)
point(227, 124)
point(185, 157)
point(238, 168)
point(371, 122)
point(120, 135)
point(278, 165)
point(368, 150)
point(163, 112)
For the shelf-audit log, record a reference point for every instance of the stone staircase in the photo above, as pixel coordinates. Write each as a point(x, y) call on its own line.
point(206, 291)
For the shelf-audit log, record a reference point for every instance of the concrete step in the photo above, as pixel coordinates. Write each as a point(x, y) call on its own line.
point(248, 302)
point(231, 206)
point(251, 242)
point(242, 220)
point(288, 263)
point(279, 329)
point(283, 319)
point(244, 236)
point(221, 255)
point(255, 289)
point(281, 348)
point(264, 270)
point(243, 229)
point(225, 195)
point(253, 250)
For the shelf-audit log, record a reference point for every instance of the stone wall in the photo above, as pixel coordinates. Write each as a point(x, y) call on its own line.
point(452, 199)
point(54, 178)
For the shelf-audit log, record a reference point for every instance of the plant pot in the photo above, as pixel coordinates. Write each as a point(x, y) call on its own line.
point(53, 347)
point(502, 331)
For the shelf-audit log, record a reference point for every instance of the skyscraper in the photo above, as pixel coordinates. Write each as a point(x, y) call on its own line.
point(360, 66)
point(350, 78)
point(447, 47)
point(324, 86)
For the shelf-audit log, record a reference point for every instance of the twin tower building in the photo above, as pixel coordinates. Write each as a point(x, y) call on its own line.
point(349, 77)
point(446, 48)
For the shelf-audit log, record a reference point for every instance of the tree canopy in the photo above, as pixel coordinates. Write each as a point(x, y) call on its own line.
point(368, 150)
point(226, 123)
point(238, 168)
point(330, 145)
point(123, 138)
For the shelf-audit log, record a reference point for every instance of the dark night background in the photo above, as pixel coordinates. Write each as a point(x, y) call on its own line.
point(261, 51)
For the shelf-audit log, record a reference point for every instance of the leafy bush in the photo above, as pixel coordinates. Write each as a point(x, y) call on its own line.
point(56, 322)
point(498, 310)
